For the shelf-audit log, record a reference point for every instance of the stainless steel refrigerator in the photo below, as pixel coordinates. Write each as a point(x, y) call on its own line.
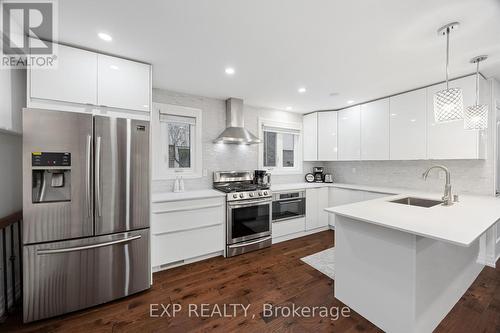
point(85, 210)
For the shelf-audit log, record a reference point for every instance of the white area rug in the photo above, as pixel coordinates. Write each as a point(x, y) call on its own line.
point(322, 261)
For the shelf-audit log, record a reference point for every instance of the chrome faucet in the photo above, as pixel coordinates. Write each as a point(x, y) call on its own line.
point(447, 197)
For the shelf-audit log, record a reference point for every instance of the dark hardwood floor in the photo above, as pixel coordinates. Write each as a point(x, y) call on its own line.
point(274, 275)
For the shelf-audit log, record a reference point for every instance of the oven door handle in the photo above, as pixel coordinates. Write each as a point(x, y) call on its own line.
point(250, 242)
point(289, 201)
point(249, 203)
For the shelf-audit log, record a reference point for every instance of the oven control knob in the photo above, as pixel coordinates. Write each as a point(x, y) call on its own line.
point(260, 194)
point(235, 196)
point(265, 193)
point(241, 195)
point(251, 195)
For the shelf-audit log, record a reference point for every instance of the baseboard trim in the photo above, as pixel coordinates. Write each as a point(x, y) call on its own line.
point(186, 261)
point(298, 234)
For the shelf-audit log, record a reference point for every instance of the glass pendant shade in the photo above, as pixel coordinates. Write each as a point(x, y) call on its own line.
point(448, 105)
point(476, 117)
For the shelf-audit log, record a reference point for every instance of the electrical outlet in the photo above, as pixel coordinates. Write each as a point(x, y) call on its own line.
point(441, 174)
point(353, 170)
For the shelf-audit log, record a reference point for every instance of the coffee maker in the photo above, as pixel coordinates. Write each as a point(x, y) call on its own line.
point(318, 174)
point(262, 178)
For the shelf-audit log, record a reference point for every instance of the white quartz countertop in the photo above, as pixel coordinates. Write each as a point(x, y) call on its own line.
point(210, 193)
point(304, 185)
point(459, 224)
point(187, 195)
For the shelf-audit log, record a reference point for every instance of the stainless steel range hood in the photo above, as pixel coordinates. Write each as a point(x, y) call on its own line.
point(235, 132)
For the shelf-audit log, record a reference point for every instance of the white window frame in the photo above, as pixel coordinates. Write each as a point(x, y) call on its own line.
point(279, 169)
point(161, 171)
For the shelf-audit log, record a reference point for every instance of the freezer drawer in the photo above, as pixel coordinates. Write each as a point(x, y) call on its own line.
point(65, 276)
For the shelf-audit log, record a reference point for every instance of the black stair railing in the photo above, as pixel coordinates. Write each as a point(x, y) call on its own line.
point(10, 264)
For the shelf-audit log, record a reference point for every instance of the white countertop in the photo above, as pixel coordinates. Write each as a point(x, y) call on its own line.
point(210, 193)
point(304, 185)
point(187, 195)
point(459, 224)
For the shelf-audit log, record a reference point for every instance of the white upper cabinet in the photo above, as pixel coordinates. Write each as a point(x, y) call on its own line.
point(123, 83)
point(349, 126)
point(74, 80)
point(327, 136)
point(310, 141)
point(450, 140)
point(83, 80)
point(408, 126)
point(375, 130)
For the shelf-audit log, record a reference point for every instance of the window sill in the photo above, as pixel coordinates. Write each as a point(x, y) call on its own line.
point(285, 172)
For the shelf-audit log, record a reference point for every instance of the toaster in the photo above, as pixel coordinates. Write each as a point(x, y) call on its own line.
point(328, 178)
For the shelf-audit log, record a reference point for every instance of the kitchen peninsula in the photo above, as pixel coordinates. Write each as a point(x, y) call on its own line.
point(404, 267)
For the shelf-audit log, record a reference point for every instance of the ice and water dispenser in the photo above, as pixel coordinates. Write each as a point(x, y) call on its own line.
point(51, 177)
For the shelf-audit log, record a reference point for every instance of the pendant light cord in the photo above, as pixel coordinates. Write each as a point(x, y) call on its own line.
point(447, 54)
point(477, 82)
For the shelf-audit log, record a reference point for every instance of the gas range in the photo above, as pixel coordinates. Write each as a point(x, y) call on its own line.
point(239, 186)
point(248, 214)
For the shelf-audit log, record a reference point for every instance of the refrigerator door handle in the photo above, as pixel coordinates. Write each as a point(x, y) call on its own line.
point(88, 175)
point(98, 176)
point(86, 247)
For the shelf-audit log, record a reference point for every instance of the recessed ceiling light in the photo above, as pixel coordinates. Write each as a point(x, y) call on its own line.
point(333, 94)
point(229, 70)
point(350, 101)
point(114, 67)
point(288, 108)
point(301, 90)
point(105, 37)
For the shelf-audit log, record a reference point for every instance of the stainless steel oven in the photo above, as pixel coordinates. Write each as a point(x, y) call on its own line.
point(288, 205)
point(248, 225)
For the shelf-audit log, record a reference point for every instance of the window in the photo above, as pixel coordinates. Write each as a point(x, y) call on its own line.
point(178, 151)
point(280, 151)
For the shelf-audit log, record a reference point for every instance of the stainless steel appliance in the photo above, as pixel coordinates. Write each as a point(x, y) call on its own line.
point(318, 174)
point(235, 132)
point(288, 205)
point(262, 178)
point(328, 178)
point(249, 212)
point(86, 211)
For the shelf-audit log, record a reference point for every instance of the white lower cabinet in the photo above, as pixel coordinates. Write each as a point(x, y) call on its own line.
point(288, 227)
point(316, 202)
point(183, 230)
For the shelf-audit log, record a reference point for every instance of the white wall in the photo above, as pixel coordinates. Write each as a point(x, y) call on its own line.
point(10, 174)
point(218, 157)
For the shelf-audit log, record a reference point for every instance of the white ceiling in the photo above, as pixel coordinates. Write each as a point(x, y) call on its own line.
point(359, 49)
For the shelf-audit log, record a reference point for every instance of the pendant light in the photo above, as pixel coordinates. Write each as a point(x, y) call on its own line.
point(448, 103)
point(476, 116)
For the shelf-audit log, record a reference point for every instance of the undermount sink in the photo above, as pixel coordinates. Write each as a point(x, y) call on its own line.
point(411, 201)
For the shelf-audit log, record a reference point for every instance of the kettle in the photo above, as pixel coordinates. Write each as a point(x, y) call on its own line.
point(262, 178)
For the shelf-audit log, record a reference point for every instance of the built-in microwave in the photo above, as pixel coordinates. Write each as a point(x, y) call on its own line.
point(288, 205)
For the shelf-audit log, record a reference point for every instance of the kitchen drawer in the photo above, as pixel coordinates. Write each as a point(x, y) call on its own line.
point(287, 227)
point(172, 247)
point(189, 214)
